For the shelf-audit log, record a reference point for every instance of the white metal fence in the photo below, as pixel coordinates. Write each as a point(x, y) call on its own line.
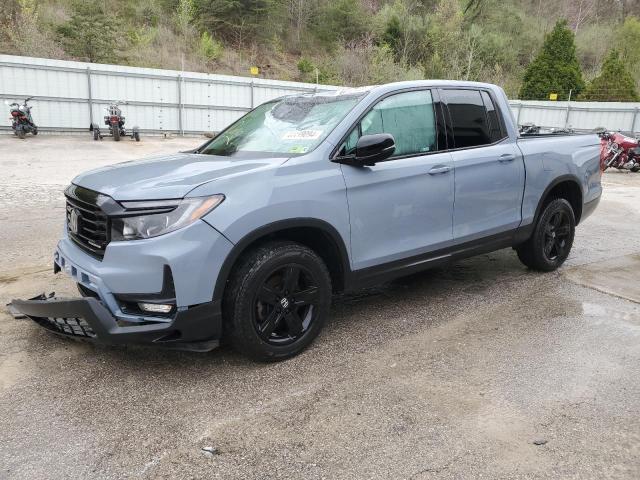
point(581, 116)
point(68, 96)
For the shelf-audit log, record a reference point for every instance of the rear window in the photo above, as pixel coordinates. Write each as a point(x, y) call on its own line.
point(468, 117)
point(495, 126)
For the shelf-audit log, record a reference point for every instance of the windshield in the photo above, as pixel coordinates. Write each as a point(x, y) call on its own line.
point(290, 126)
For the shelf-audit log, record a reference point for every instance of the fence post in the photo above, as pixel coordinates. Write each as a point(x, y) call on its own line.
point(519, 112)
point(566, 118)
point(179, 79)
point(633, 122)
point(90, 96)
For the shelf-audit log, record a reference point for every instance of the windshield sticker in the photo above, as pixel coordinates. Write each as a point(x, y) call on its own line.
point(302, 135)
point(298, 149)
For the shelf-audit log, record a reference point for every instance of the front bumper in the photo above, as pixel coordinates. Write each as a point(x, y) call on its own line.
point(197, 328)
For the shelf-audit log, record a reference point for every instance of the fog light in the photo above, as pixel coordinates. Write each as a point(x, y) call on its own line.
point(155, 307)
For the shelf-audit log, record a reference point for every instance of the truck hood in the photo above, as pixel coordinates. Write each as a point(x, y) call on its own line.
point(163, 177)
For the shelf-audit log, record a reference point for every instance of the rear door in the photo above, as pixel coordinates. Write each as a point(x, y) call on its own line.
point(489, 167)
point(402, 206)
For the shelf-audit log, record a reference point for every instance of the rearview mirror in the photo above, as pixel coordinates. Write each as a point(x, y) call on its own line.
point(370, 149)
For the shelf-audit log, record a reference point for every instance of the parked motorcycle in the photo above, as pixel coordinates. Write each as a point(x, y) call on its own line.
point(619, 151)
point(529, 129)
point(21, 119)
point(115, 121)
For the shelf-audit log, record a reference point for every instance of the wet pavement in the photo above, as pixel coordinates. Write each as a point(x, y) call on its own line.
point(481, 370)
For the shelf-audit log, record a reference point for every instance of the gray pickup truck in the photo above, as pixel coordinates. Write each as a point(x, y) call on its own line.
point(246, 237)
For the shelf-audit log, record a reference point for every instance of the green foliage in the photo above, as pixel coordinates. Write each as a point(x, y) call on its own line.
point(142, 36)
point(628, 42)
point(555, 69)
point(239, 21)
point(210, 48)
point(185, 12)
point(341, 21)
point(305, 66)
point(91, 34)
point(350, 42)
point(614, 84)
point(405, 31)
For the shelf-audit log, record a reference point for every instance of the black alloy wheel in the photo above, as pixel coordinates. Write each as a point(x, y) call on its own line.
point(277, 300)
point(285, 305)
point(552, 237)
point(556, 236)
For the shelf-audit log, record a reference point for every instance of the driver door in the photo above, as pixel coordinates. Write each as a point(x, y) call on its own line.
point(403, 206)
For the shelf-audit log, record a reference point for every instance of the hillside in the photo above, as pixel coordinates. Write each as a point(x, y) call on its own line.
point(352, 42)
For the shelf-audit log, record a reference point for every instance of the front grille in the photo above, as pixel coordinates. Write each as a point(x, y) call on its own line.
point(75, 327)
point(92, 224)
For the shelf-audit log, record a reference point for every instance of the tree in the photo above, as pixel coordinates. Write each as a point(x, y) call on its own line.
point(555, 69)
point(628, 43)
point(91, 34)
point(342, 21)
point(241, 22)
point(614, 84)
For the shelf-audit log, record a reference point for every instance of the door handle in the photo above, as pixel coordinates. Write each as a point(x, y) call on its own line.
point(507, 157)
point(440, 169)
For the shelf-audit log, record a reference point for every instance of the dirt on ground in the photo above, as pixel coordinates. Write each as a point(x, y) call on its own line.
point(480, 370)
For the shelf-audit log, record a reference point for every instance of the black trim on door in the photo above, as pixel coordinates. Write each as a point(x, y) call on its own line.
point(449, 123)
point(388, 271)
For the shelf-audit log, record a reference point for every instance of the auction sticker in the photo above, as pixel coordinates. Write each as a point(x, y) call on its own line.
point(302, 135)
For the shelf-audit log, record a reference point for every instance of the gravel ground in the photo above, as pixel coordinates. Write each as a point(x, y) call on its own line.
point(481, 370)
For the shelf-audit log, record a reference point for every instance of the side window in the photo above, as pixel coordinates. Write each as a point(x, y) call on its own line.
point(468, 118)
point(495, 127)
point(409, 117)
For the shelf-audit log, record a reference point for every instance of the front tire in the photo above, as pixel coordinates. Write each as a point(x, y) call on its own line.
point(277, 301)
point(552, 239)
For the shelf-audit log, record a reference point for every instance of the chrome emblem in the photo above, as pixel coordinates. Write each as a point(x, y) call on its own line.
point(284, 302)
point(74, 221)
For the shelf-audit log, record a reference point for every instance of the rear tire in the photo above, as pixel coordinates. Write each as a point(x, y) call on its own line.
point(277, 301)
point(136, 136)
point(116, 133)
point(96, 134)
point(21, 134)
point(552, 239)
point(35, 131)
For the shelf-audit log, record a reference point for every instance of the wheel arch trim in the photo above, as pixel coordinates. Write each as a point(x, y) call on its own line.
point(568, 178)
point(273, 228)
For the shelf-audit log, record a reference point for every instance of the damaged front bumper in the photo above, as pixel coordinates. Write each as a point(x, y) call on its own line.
point(196, 328)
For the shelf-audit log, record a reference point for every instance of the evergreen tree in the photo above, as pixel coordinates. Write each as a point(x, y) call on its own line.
point(555, 69)
point(614, 84)
point(341, 21)
point(241, 22)
point(91, 34)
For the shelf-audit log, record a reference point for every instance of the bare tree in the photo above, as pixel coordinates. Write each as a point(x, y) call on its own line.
point(300, 12)
point(580, 12)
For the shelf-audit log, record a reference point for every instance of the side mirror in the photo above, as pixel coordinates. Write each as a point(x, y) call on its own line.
point(370, 149)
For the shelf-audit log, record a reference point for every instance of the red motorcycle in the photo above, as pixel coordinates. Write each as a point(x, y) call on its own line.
point(619, 151)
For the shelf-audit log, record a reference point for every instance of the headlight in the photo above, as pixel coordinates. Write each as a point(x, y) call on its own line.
point(148, 219)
